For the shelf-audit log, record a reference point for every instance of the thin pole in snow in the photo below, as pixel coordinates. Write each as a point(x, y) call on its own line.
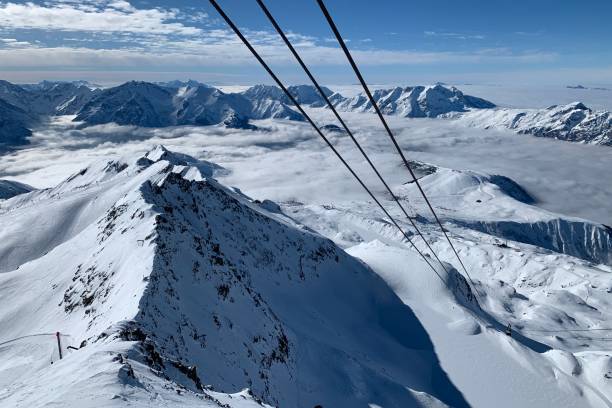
point(59, 344)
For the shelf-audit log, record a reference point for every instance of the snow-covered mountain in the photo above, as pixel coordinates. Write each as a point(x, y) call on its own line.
point(308, 94)
point(176, 84)
point(572, 122)
point(414, 102)
point(304, 94)
point(22, 107)
point(150, 105)
point(48, 97)
point(176, 290)
point(15, 95)
point(133, 103)
point(270, 102)
point(418, 101)
point(62, 98)
point(204, 105)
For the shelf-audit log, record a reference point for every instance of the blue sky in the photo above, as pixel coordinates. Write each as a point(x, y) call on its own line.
point(404, 42)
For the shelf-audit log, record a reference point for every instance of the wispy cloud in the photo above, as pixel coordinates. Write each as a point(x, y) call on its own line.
point(197, 54)
point(458, 36)
point(529, 33)
point(12, 42)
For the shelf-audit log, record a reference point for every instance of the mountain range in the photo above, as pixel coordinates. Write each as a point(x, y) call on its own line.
point(177, 103)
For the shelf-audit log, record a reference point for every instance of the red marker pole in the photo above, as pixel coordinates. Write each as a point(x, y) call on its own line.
point(59, 344)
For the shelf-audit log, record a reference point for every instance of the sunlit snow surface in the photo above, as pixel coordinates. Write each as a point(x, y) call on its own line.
point(541, 292)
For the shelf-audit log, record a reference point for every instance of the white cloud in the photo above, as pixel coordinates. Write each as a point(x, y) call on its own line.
point(12, 42)
point(116, 16)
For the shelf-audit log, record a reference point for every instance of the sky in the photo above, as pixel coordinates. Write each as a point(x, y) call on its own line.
point(402, 42)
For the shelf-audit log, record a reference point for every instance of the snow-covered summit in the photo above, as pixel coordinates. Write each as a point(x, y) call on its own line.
point(418, 101)
point(176, 288)
point(304, 94)
point(45, 85)
point(264, 92)
point(180, 84)
point(133, 103)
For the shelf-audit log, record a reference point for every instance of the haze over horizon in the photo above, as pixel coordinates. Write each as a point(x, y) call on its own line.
point(109, 42)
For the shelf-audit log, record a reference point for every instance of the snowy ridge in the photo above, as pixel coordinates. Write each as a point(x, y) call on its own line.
point(573, 122)
point(191, 103)
point(303, 94)
point(47, 97)
point(577, 238)
point(414, 102)
point(172, 284)
point(133, 103)
point(498, 206)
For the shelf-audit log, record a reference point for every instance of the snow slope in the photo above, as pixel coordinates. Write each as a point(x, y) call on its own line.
point(171, 285)
point(498, 206)
point(491, 369)
point(556, 303)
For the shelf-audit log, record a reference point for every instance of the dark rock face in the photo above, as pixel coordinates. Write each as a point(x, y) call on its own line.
point(584, 240)
point(10, 189)
point(15, 126)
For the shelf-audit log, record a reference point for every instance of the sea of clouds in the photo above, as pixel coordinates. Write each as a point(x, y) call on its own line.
point(288, 161)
